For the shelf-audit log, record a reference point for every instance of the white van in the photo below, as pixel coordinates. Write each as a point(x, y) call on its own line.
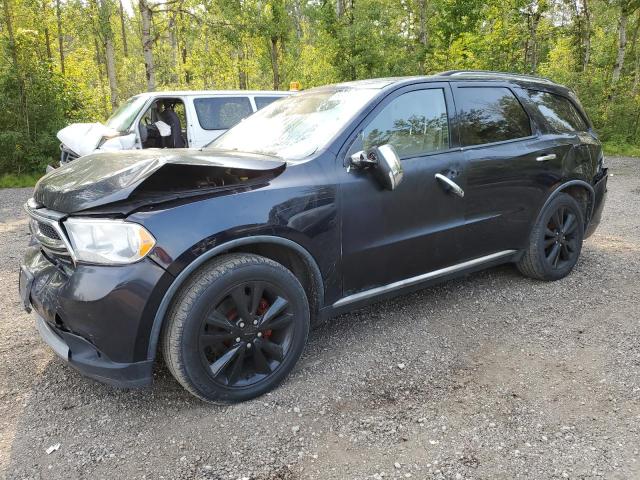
point(164, 120)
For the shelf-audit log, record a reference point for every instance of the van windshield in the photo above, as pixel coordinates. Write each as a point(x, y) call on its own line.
point(125, 114)
point(295, 127)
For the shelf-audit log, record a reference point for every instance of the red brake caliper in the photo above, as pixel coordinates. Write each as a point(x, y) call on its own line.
point(262, 307)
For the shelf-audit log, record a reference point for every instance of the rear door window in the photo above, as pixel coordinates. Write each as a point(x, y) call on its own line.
point(559, 112)
point(221, 113)
point(415, 123)
point(490, 114)
point(262, 102)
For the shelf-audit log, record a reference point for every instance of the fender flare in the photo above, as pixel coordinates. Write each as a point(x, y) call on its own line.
point(158, 320)
point(560, 188)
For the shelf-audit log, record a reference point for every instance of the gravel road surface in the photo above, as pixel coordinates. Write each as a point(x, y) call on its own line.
point(492, 376)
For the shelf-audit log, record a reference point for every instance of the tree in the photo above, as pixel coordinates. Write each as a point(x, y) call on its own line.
point(60, 40)
point(147, 45)
point(73, 60)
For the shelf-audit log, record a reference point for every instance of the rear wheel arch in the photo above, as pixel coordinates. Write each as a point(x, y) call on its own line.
point(580, 190)
point(288, 253)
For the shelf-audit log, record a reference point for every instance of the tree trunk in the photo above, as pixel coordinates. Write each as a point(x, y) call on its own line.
point(242, 73)
point(47, 37)
point(8, 18)
point(531, 45)
point(147, 45)
point(622, 44)
point(173, 43)
point(297, 18)
point(110, 57)
point(105, 34)
point(422, 32)
point(273, 48)
point(125, 48)
point(103, 93)
point(60, 39)
point(586, 35)
point(422, 35)
point(339, 8)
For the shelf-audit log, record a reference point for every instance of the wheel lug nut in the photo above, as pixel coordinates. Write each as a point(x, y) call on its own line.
point(259, 334)
point(249, 345)
point(238, 339)
point(255, 322)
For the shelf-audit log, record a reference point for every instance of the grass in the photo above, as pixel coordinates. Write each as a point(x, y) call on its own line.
point(11, 180)
point(621, 149)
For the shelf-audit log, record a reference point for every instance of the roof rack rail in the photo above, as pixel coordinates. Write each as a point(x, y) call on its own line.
point(453, 73)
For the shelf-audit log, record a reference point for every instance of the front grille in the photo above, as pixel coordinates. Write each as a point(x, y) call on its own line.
point(48, 231)
point(67, 155)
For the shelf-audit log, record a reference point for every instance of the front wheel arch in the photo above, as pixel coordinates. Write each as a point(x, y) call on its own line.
point(237, 245)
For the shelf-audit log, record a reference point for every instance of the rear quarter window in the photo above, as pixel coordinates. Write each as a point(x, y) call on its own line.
point(559, 113)
point(262, 102)
point(490, 114)
point(221, 113)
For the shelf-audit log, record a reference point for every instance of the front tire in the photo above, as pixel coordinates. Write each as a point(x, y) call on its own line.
point(556, 240)
point(236, 329)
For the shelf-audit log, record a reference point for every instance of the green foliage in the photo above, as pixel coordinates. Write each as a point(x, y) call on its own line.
point(259, 44)
point(617, 148)
point(11, 180)
point(36, 103)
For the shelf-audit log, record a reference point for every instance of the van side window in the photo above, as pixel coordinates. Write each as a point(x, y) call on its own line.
point(559, 112)
point(490, 114)
point(262, 102)
point(415, 123)
point(221, 113)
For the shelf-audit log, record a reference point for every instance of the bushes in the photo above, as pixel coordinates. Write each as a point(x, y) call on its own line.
point(35, 104)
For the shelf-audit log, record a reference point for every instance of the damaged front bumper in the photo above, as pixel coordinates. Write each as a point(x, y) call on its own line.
point(98, 319)
point(85, 357)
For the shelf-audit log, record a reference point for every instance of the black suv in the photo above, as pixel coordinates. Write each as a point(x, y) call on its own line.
point(320, 203)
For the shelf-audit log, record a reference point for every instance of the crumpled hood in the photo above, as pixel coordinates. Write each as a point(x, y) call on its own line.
point(103, 178)
point(83, 138)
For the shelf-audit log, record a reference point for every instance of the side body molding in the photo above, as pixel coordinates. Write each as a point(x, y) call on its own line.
point(208, 255)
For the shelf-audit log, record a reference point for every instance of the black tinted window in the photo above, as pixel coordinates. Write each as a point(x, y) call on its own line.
point(414, 123)
point(221, 113)
point(490, 114)
point(262, 102)
point(559, 112)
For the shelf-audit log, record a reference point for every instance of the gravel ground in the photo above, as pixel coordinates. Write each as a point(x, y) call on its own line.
point(489, 376)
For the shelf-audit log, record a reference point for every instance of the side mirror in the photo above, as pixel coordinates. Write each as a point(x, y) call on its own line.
point(384, 159)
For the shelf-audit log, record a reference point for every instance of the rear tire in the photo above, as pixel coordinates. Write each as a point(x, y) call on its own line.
point(236, 328)
point(556, 240)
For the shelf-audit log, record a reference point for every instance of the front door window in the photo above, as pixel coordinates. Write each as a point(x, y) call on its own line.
point(415, 123)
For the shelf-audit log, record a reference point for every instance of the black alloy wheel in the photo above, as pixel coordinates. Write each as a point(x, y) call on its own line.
point(555, 241)
point(236, 329)
point(560, 238)
point(245, 338)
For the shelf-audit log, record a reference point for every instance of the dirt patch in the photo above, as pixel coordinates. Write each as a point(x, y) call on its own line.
point(492, 376)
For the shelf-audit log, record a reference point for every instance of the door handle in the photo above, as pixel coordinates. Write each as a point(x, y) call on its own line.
point(455, 188)
point(546, 158)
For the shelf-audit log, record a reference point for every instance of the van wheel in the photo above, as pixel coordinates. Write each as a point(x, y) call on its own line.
point(556, 240)
point(236, 329)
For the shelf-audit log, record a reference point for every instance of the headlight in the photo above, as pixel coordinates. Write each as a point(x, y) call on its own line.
point(112, 242)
